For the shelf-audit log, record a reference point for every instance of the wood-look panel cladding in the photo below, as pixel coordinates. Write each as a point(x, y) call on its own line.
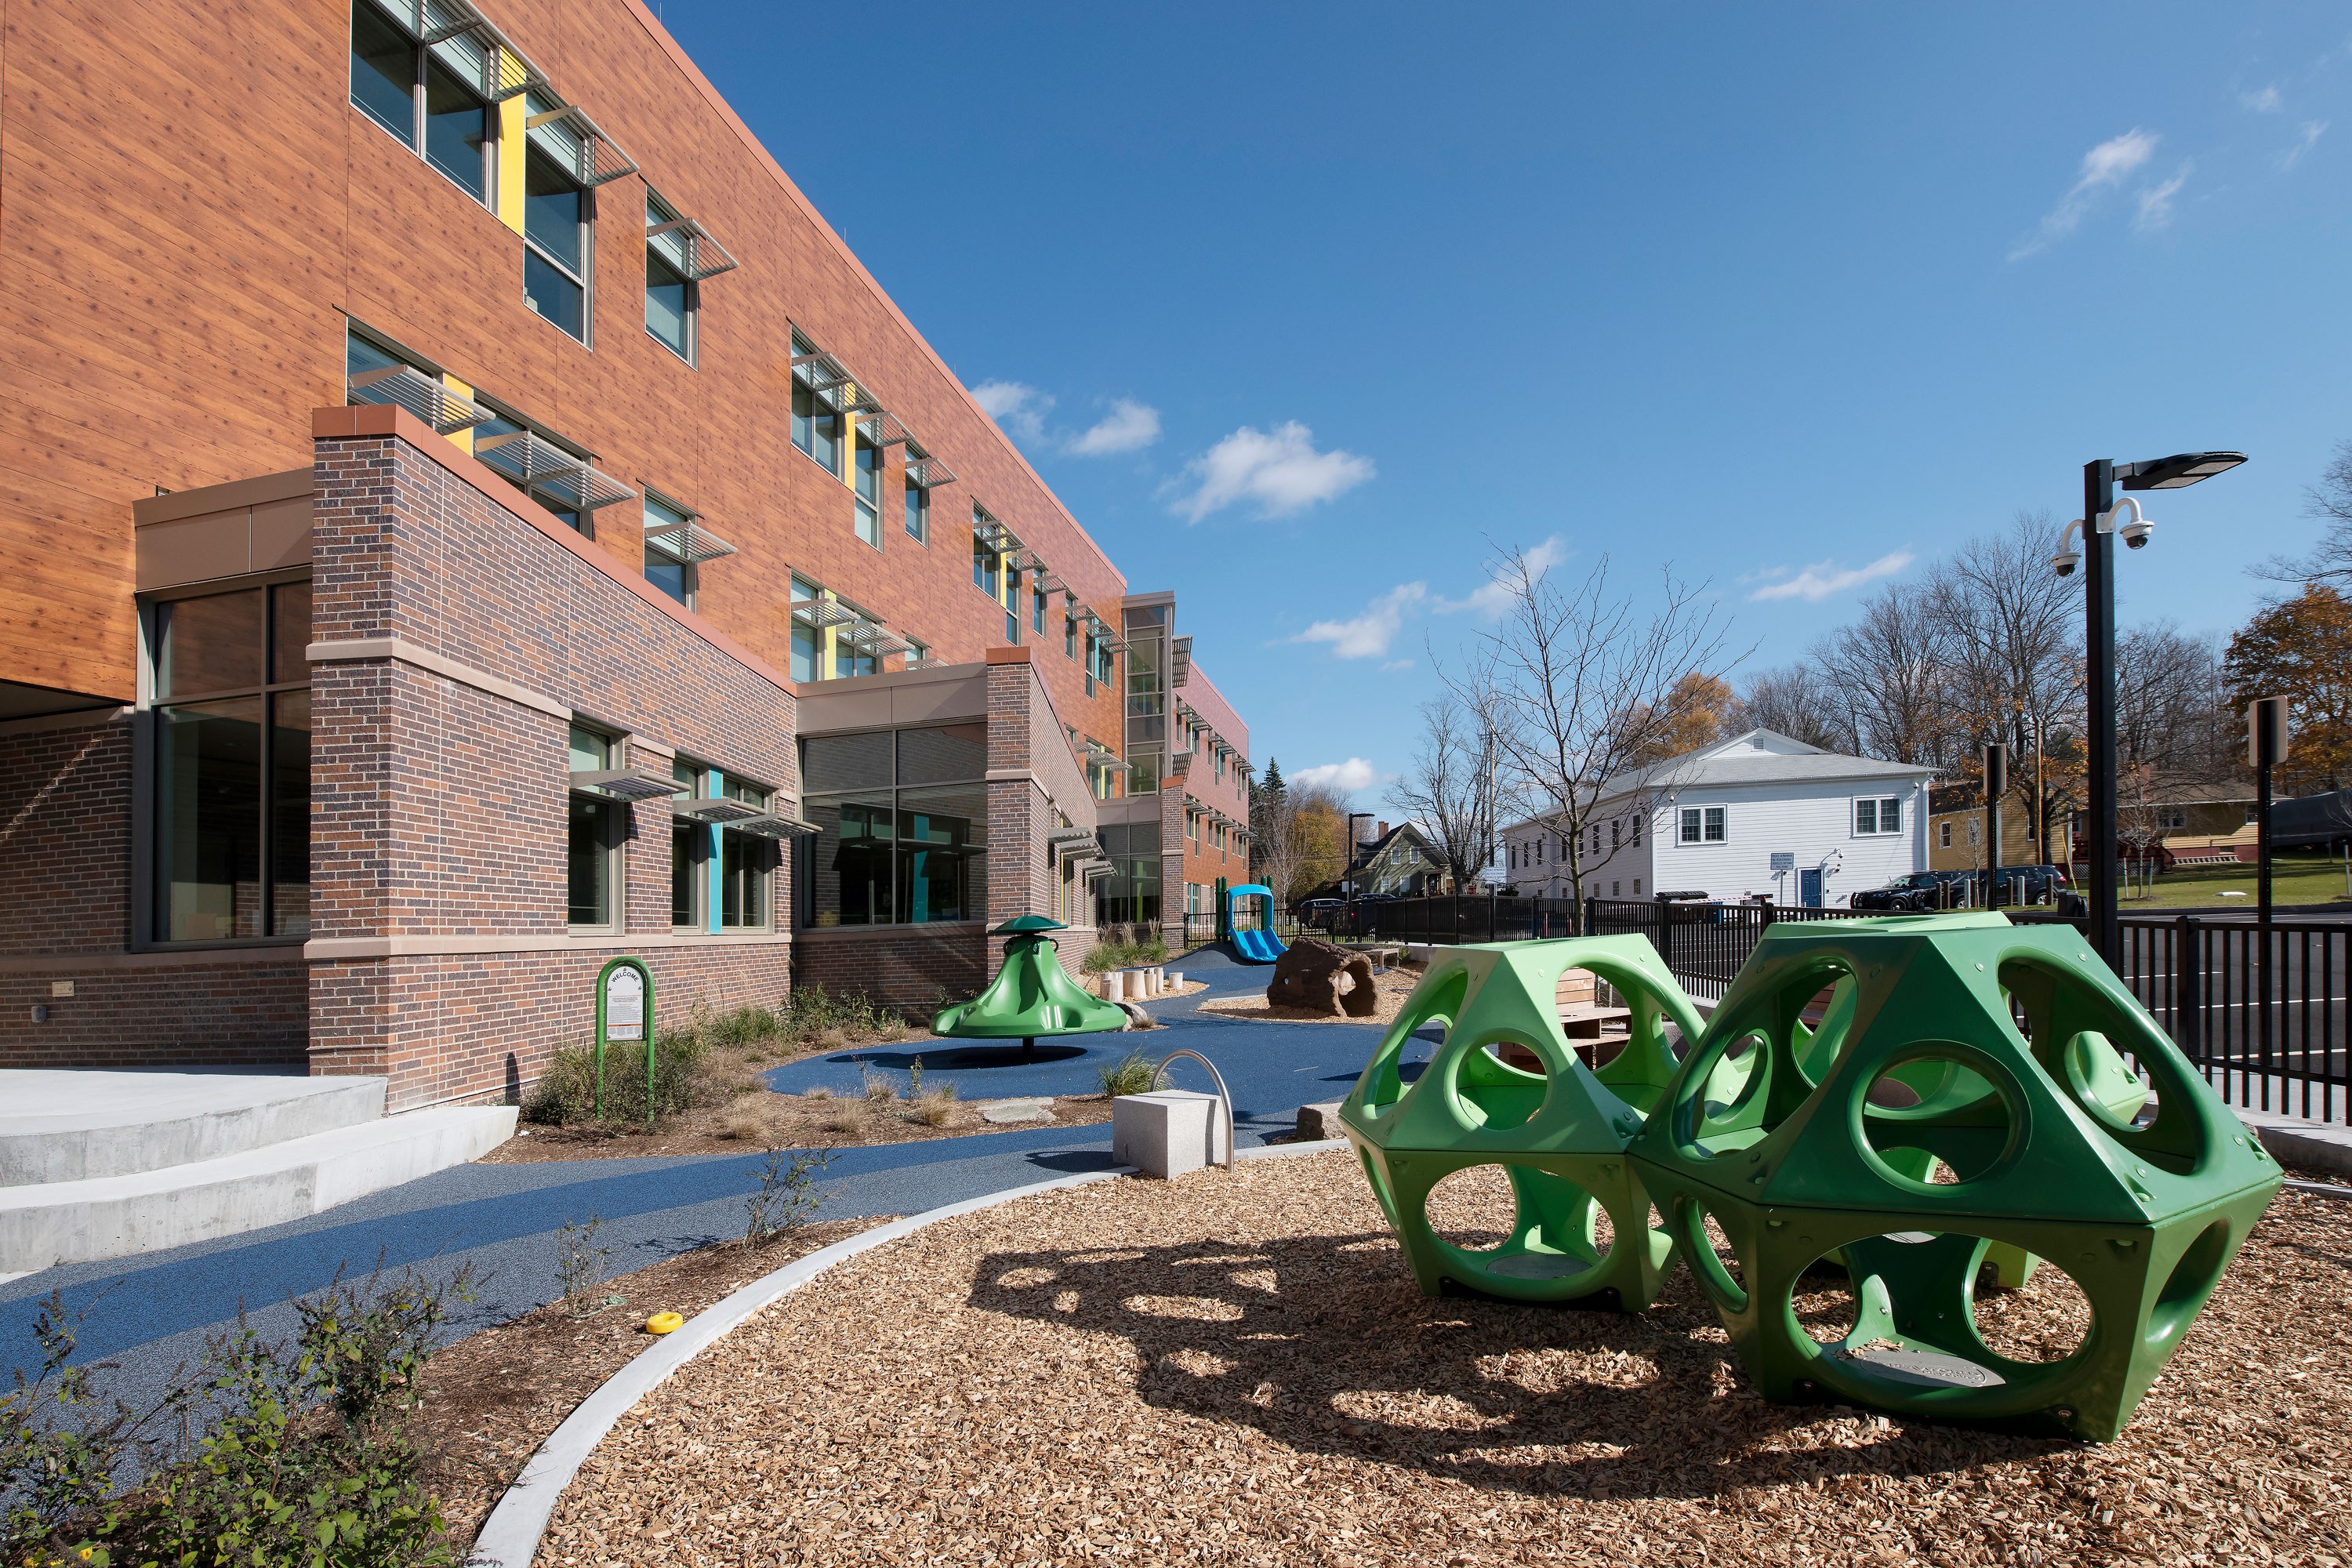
point(190, 207)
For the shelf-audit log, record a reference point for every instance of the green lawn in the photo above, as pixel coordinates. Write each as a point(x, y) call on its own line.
point(2295, 879)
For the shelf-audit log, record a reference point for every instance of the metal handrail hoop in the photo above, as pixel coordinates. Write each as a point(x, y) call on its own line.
point(1224, 1095)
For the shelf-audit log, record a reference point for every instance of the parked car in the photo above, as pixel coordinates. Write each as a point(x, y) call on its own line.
point(1318, 913)
point(1909, 895)
point(2030, 884)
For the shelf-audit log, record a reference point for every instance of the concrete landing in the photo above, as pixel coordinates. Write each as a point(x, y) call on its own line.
point(68, 1126)
point(101, 1164)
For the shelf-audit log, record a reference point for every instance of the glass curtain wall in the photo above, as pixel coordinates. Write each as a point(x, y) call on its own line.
point(1147, 697)
point(902, 827)
point(233, 766)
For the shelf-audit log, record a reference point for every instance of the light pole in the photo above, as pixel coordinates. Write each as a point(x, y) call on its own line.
point(2098, 525)
point(1996, 784)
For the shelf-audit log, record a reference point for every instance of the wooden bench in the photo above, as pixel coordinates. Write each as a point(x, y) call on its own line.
point(1591, 1023)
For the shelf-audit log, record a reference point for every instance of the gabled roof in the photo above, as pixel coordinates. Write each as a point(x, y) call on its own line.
point(1758, 757)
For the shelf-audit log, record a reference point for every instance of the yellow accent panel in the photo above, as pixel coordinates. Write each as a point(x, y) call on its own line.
point(511, 148)
point(461, 439)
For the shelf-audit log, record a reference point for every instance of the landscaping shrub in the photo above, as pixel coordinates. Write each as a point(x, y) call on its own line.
point(786, 1198)
point(293, 1452)
point(812, 1011)
point(1108, 955)
point(684, 1076)
point(1132, 1074)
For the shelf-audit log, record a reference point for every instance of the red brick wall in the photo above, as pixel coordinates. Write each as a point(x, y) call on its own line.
point(913, 968)
point(65, 840)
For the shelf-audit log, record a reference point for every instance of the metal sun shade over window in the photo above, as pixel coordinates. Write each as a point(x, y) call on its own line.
point(626, 784)
point(565, 134)
point(739, 817)
point(686, 245)
point(1181, 664)
point(883, 428)
point(434, 402)
point(820, 614)
point(995, 535)
point(831, 381)
point(465, 41)
point(687, 543)
point(537, 463)
point(868, 636)
point(925, 471)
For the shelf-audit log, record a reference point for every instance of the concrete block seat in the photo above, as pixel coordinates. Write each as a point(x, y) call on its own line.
point(106, 1165)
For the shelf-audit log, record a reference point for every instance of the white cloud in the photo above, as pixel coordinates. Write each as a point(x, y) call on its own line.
point(1280, 470)
point(2156, 202)
point(1398, 664)
point(1349, 777)
point(2265, 100)
point(2312, 131)
point(1130, 427)
point(1823, 578)
point(1368, 635)
point(1018, 409)
point(2104, 165)
point(1492, 596)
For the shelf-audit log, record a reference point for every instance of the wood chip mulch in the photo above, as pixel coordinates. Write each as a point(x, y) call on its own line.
point(1235, 1369)
point(492, 1398)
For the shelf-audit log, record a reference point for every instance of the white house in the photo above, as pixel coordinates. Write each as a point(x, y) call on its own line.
point(1758, 815)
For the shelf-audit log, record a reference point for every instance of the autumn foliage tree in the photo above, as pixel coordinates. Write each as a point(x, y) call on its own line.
point(2301, 649)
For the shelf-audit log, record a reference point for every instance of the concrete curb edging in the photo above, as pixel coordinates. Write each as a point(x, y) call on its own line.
point(510, 1538)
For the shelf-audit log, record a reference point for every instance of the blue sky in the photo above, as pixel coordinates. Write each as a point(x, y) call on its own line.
point(1297, 308)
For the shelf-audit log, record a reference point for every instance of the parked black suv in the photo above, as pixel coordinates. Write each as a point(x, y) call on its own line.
point(1908, 895)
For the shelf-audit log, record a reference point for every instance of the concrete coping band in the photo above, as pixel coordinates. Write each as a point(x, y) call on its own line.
point(510, 1536)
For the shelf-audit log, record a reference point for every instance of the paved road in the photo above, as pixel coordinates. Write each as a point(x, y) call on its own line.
point(151, 1313)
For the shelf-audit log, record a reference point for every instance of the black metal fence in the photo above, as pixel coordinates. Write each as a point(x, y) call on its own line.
point(2259, 1008)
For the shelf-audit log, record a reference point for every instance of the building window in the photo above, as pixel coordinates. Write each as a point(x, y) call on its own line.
point(1070, 634)
point(745, 861)
point(1636, 840)
point(1943, 835)
point(902, 827)
point(422, 95)
point(677, 578)
point(690, 853)
point(808, 642)
point(984, 563)
point(1130, 894)
point(233, 766)
point(868, 481)
point(919, 512)
point(1012, 602)
point(816, 422)
point(671, 296)
point(2169, 819)
point(1037, 597)
point(555, 225)
point(1702, 825)
point(1878, 816)
point(592, 853)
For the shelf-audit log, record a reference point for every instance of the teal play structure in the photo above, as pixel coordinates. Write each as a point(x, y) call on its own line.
point(1253, 942)
point(1924, 1109)
point(1031, 995)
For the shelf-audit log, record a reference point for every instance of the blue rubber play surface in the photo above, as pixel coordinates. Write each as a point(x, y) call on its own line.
point(150, 1314)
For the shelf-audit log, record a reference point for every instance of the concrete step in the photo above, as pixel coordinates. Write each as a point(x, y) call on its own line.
point(67, 1126)
point(50, 1223)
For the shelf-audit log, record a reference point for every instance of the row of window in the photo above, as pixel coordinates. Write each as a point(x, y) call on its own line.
point(442, 100)
point(231, 829)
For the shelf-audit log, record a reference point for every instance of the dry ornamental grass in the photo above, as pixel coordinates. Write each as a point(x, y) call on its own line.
point(1237, 1369)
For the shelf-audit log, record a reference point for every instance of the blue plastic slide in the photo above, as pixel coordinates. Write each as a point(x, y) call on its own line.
point(1256, 942)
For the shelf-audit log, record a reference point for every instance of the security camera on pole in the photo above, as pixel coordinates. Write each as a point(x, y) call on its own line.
point(2103, 517)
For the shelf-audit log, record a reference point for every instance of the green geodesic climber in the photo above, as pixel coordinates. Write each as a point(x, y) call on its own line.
point(1559, 1134)
point(1031, 995)
point(1919, 1128)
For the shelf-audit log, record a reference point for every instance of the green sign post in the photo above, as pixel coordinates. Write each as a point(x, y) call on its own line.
point(624, 1012)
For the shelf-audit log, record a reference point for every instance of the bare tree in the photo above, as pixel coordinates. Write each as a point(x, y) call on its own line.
point(1888, 672)
point(1298, 829)
point(1449, 789)
point(1794, 700)
point(2012, 630)
point(2171, 713)
point(2329, 500)
point(1579, 682)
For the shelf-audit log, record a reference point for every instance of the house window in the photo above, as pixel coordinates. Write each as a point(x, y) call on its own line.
point(1616, 835)
point(421, 95)
point(592, 853)
point(2172, 819)
point(1878, 816)
point(232, 824)
point(868, 480)
point(671, 299)
point(1943, 835)
point(902, 827)
point(1714, 825)
point(919, 512)
point(555, 226)
point(816, 422)
point(1636, 840)
point(677, 578)
point(1703, 825)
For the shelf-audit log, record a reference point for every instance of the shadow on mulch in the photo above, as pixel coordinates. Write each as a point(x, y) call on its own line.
point(1676, 1420)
